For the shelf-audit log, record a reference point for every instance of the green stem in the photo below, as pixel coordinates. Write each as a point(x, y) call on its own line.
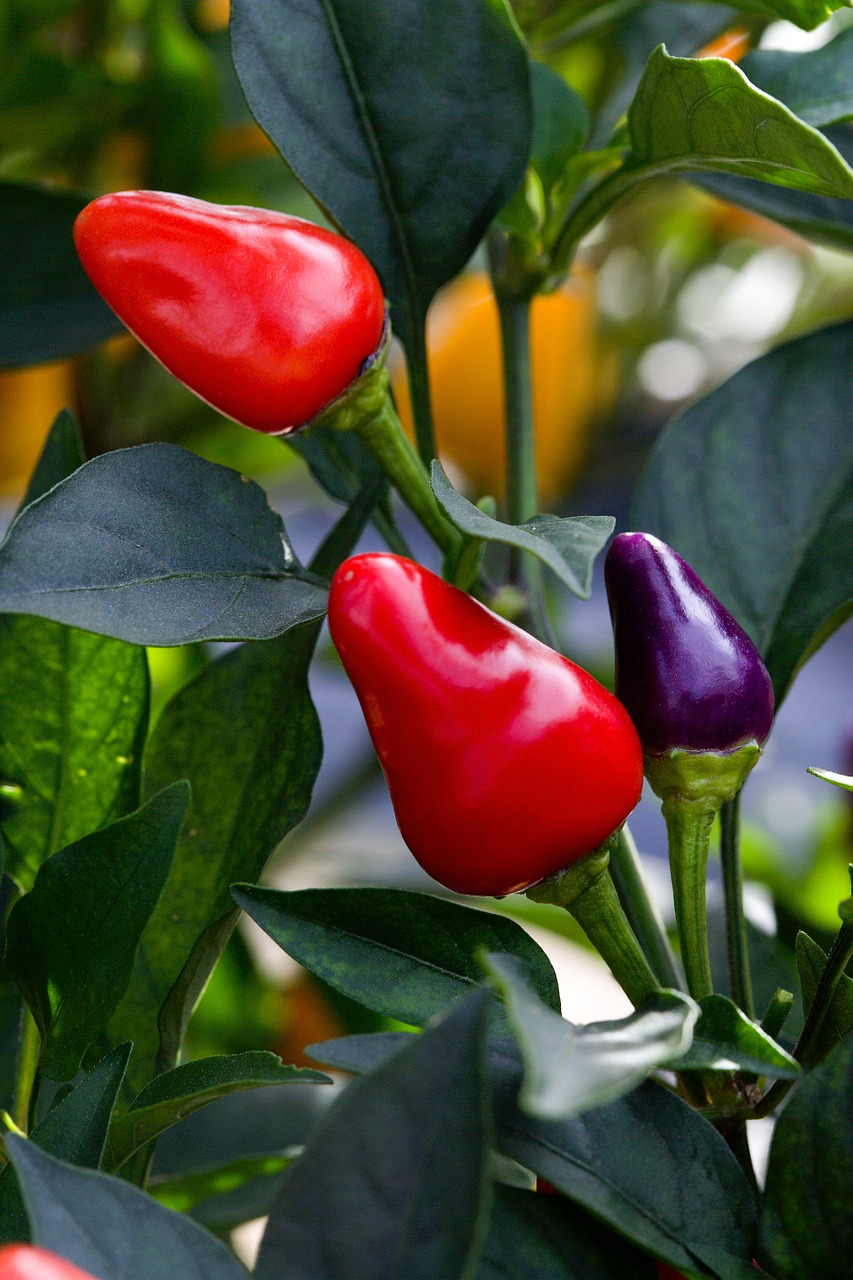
point(521, 487)
point(599, 913)
point(642, 914)
point(521, 490)
point(688, 825)
point(781, 1004)
point(734, 1133)
point(833, 971)
point(419, 392)
point(596, 204)
point(383, 435)
point(27, 1082)
point(586, 890)
point(736, 937)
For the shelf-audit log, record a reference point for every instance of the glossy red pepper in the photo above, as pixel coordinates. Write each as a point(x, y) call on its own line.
point(505, 762)
point(265, 316)
point(25, 1262)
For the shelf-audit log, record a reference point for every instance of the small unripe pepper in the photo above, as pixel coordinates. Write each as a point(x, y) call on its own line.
point(26, 1262)
point(265, 316)
point(702, 701)
point(505, 761)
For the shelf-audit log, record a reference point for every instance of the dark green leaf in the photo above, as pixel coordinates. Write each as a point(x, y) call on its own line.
point(569, 1069)
point(703, 114)
point(398, 1170)
point(224, 1197)
point(406, 955)
point(567, 545)
point(726, 1040)
point(135, 1236)
point(359, 1054)
point(246, 735)
point(806, 1226)
point(48, 308)
point(560, 123)
point(337, 460)
point(74, 1130)
point(75, 715)
point(344, 88)
point(817, 86)
point(646, 1164)
point(72, 941)
point(156, 546)
point(753, 485)
point(811, 961)
point(62, 454)
point(547, 1238)
point(179, 1092)
point(817, 218)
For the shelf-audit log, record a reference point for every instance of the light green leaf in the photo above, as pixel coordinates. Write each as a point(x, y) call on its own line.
point(703, 115)
point(837, 779)
point(568, 546)
point(724, 1039)
point(571, 1069)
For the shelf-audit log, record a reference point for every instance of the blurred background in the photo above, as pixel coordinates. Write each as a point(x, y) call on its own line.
point(673, 293)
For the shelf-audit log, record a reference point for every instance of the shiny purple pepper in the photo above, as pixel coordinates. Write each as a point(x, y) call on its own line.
point(687, 672)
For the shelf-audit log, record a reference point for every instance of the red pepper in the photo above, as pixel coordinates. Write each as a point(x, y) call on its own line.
point(25, 1262)
point(265, 316)
point(505, 761)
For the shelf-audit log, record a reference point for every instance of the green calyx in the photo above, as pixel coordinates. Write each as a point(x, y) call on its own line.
point(704, 778)
point(564, 887)
point(364, 399)
point(693, 787)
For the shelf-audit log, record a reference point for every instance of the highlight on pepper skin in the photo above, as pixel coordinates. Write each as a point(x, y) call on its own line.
point(688, 673)
point(505, 762)
point(266, 317)
point(26, 1262)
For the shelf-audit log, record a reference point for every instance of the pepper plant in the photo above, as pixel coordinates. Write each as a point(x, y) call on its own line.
point(481, 1135)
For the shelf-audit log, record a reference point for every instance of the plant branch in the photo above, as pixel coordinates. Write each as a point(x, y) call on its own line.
point(736, 936)
point(642, 914)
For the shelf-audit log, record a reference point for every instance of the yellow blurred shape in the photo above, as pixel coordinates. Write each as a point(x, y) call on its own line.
point(466, 381)
point(212, 15)
point(30, 399)
point(732, 44)
point(240, 141)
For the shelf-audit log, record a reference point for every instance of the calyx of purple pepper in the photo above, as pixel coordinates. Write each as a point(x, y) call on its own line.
point(690, 677)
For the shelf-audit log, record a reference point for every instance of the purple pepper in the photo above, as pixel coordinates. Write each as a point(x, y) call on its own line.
point(687, 672)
